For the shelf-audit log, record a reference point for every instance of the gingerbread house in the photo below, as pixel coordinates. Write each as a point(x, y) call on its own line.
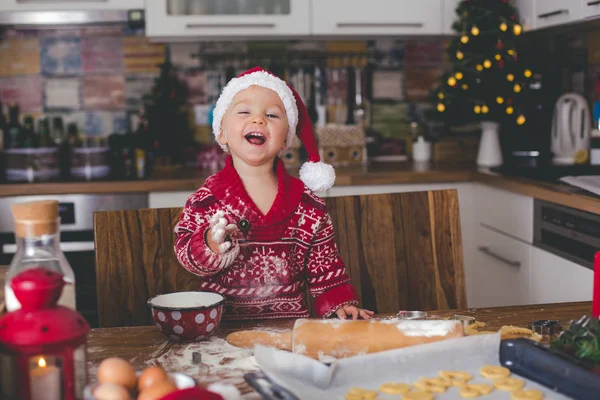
point(342, 145)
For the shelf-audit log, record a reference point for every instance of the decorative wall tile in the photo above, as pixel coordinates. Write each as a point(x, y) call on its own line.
point(141, 55)
point(25, 91)
point(104, 92)
point(136, 86)
point(61, 56)
point(62, 94)
point(19, 57)
point(102, 55)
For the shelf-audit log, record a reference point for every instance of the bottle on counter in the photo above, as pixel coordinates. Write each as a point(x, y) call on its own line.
point(2, 128)
point(43, 135)
point(28, 138)
point(14, 127)
point(37, 233)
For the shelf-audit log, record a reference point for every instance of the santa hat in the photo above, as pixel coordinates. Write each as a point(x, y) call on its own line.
point(315, 174)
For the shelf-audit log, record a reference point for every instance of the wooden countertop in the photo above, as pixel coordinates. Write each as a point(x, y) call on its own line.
point(143, 346)
point(186, 179)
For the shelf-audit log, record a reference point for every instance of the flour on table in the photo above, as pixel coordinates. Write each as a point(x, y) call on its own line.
point(218, 358)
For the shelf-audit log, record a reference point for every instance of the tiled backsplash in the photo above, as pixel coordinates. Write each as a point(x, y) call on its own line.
point(93, 75)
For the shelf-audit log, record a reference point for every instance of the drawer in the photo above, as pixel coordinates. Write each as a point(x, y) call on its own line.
point(499, 276)
point(505, 211)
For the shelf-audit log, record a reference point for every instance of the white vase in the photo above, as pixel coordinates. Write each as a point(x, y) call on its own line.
point(490, 153)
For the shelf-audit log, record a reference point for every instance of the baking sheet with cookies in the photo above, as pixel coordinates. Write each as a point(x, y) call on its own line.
point(310, 379)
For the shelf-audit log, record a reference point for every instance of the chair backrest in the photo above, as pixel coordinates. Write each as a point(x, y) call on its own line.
point(402, 251)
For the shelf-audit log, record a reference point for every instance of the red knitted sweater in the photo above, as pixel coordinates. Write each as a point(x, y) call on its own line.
point(280, 252)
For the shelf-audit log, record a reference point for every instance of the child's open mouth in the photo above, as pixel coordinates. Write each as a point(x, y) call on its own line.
point(255, 138)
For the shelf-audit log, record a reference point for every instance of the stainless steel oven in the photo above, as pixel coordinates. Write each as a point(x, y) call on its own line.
point(76, 236)
point(567, 232)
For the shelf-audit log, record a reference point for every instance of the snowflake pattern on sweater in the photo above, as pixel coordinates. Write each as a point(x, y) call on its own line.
point(280, 253)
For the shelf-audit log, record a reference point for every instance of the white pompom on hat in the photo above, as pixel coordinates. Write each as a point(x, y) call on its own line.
point(315, 174)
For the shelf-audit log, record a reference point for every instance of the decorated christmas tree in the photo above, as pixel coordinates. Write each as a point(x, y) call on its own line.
point(167, 115)
point(488, 79)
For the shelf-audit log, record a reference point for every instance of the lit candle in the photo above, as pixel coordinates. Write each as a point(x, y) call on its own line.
point(45, 381)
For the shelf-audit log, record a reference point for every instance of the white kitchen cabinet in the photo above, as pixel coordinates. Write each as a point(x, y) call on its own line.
point(527, 13)
point(504, 211)
point(227, 18)
point(590, 8)
point(556, 12)
point(70, 5)
point(450, 15)
point(553, 279)
point(377, 17)
point(500, 274)
point(168, 199)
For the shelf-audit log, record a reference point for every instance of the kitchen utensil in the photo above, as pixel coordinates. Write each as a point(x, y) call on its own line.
point(550, 368)
point(412, 314)
point(181, 381)
point(268, 389)
point(187, 316)
point(465, 319)
point(571, 127)
point(546, 328)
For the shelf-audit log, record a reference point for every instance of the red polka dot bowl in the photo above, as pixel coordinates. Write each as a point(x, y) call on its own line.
point(187, 316)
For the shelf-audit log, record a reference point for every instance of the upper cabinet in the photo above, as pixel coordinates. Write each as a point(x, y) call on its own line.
point(70, 5)
point(227, 18)
point(450, 15)
point(526, 13)
point(590, 8)
point(556, 12)
point(377, 17)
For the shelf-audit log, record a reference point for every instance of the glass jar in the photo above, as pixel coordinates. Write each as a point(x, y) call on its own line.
point(38, 245)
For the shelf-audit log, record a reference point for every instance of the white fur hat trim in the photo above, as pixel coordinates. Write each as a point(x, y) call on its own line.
point(258, 78)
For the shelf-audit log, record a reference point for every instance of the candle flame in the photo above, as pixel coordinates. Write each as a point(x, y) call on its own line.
point(42, 362)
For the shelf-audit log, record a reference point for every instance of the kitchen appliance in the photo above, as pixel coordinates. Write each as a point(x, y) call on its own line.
point(76, 213)
point(569, 233)
point(571, 128)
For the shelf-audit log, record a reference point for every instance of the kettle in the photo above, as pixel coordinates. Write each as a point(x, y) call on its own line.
point(571, 128)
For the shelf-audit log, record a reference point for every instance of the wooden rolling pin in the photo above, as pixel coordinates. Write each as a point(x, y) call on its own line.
point(319, 338)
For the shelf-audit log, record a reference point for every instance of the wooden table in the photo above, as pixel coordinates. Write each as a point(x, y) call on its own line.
point(144, 346)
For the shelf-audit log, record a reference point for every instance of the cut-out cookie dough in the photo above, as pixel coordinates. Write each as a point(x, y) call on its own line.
point(494, 372)
point(471, 390)
point(360, 394)
point(417, 396)
point(394, 388)
point(433, 385)
point(509, 384)
point(457, 378)
point(527, 394)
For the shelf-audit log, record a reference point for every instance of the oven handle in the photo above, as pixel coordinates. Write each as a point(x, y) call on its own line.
point(71, 247)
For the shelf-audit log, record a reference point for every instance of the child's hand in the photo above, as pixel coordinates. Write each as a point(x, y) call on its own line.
point(354, 311)
point(219, 234)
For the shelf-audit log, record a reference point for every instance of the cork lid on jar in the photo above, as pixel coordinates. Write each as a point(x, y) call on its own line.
point(35, 218)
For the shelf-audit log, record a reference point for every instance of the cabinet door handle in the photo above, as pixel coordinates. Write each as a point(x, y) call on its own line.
point(486, 250)
point(593, 3)
point(232, 25)
point(553, 13)
point(380, 25)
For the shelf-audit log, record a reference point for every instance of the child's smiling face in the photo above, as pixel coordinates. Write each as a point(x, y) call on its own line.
point(255, 126)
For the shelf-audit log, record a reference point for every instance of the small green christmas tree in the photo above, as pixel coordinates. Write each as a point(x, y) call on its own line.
point(488, 79)
point(167, 115)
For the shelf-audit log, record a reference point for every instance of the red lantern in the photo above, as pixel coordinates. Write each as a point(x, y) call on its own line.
point(42, 345)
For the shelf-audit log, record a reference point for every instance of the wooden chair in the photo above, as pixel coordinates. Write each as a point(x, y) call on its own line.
point(402, 251)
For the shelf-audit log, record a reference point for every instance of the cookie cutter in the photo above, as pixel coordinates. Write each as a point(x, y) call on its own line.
point(413, 315)
point(466, 320)
point(545, 327)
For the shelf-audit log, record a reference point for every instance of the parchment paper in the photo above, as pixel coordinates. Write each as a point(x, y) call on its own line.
point(311, 380)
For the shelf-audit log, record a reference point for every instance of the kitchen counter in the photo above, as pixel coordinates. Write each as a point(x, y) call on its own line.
point(187, 179)
point(144, 345)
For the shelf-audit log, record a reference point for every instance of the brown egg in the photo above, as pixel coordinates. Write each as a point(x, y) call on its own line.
point(157, 391)
point(151, 376)
point(118, 371)
point(111, 391)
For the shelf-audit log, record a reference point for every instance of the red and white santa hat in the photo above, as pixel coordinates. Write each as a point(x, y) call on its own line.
point(315, 174)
